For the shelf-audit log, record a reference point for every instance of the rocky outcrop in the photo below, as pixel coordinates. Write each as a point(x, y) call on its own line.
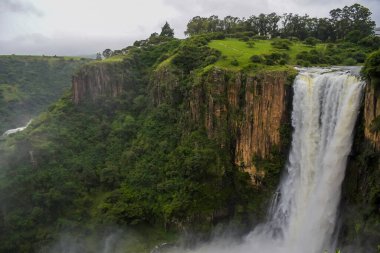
point(371, 112)
point(164, 86)
point(245, 113)
point(98, 80)
point(360, 208)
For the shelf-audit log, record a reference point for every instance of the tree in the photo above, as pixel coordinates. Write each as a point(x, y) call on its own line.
point(351, 18)
point(107, 53)
point(167, 31)
point(196, 25)
point(98, 56)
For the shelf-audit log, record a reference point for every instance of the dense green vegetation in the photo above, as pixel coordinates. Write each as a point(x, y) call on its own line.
point(28, 84)
point(280, 52)
point(349, 23)
point(119, 161)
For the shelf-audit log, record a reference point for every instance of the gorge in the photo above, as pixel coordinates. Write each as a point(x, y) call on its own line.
point(149, 149)
point(304, 211)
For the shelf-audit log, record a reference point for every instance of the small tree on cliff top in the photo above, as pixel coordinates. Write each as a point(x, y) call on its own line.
point(167, 31)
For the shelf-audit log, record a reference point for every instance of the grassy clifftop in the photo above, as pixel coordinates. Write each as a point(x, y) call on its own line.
point(241, 51)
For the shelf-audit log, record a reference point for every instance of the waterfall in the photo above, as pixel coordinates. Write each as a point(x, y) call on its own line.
point(325, 107)
point(303, 211)
point(15, 130)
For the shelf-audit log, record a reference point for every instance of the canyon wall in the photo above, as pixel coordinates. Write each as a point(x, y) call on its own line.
point(371, 112)
point(97, 80)
point(245, 113)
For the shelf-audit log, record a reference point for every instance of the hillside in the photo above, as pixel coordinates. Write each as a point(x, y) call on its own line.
point(29, 84)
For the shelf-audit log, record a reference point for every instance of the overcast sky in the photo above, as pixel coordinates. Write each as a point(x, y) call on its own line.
point(81, 27)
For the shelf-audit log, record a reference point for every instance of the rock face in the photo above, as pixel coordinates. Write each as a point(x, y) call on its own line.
point(244, 113)
point(97, 80)
point(360, 209)
point(371, 111)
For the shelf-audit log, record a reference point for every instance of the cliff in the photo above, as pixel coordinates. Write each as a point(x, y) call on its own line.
point(371, 112)
point(246, 113)
point(97, 80)
point(360, 210)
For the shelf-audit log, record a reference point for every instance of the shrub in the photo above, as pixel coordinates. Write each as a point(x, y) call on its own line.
point(257, 59)
point(311, 41)
point(234, 62)
point(282, 44)
point(349, 62)
point(276, 58)
point(313, 56)
point(354, 36)
point(250, 44)
point(372, 42)
point(294, 39)
point(249, 34)
point(359, 56)
point(371, 68)
point(303, 63)
point(194, 53)
point(244, 38)
point(260, 37)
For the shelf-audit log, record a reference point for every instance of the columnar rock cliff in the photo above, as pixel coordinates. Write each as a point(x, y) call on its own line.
point(371, 111)
point(96, 80)
point(361, 195)
point(246, 113)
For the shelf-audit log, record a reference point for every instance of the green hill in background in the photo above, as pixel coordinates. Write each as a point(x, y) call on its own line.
point(28, 84)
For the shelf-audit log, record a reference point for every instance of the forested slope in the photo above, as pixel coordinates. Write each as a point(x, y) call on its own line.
point(29, 84)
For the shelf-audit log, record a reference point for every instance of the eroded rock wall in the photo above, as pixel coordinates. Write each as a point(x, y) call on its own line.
point(97, 80)
point(371, 111)
point(244, 112)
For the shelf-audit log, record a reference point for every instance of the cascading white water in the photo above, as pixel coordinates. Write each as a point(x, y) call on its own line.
point(304, 210)
point(325, 108)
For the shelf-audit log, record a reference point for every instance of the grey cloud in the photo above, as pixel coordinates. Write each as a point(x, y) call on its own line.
point(17, 6)
point(38, 44)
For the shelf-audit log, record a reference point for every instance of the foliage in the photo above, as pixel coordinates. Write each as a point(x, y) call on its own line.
point(107, 53)
point(351, 23)
point(282, 44)
point(167, 31)
point(276, 58)
point(257, 58)
point(117, 161)
point(371, 67)
point(372, 42)
point(311, 41)
point(194, 53)
point(234, 62)
point(234, 49)
point(29, 84)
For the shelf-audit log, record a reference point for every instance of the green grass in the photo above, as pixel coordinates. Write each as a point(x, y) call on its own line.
point(234, 49)
point(110, 60)
point(116, 58)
